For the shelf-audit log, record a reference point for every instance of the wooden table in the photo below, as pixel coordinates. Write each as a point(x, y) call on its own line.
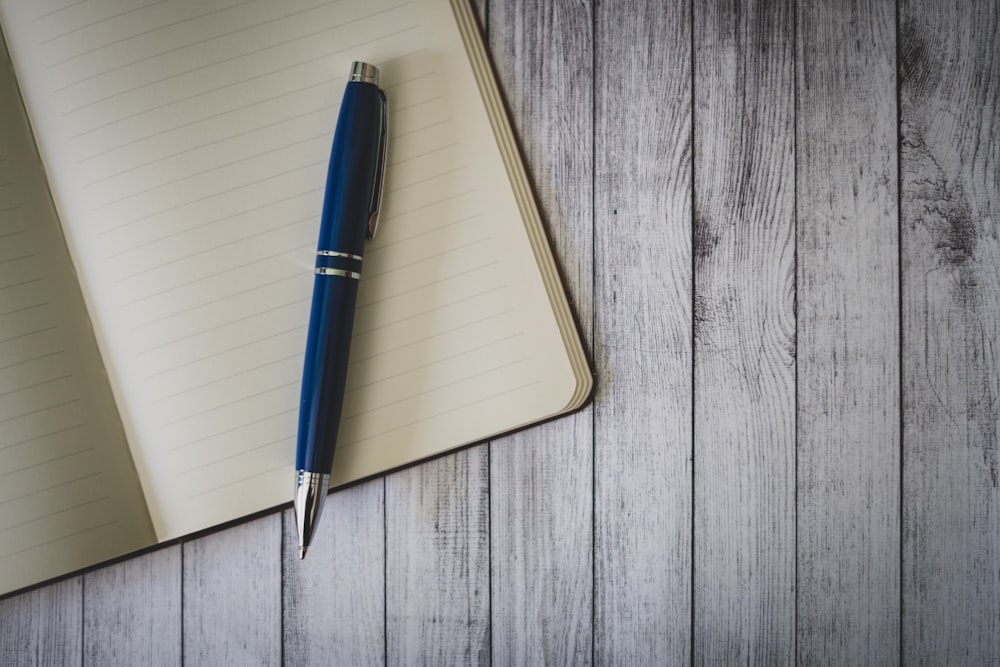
point(779, 226)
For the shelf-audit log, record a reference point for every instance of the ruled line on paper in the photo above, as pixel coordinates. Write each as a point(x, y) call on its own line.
point(452, 357)
point(398, 110)
point(39, 410)
point(225, 351)
point(422, 181)
point(57, 10)
point(173, 50)
point(425, 232)
point(229, 404)
point(444, 412)
point(214, 275)
point(98, 22)
point(47, 461)
point(414, 209)
point(217, 194)
point(207, 144)
point(201, 226)
point(20, 284)
point(208, 249)
point(203, 145)
point(9, 209)
point(36, 438)
point(61, 538)
point(205, 463)
point(219, 246)
point(236, 481)
point(202, 119)
point(227, 323)
point(471, 376)
point(400, 135)
point(388, 323)
point(220, 167)
point(34, 386)
point(254, 52)
point(244, 371)
point(51, 487)
point(28, 361)
point(403, 82)
point(220, 299)
point(56, 513)
point(396, 295)
point(233, 84)
point(427, 258)
point(15, 259)
point(242, 425)
point(25, 335)
point(180, 100)
point(146, 32)
point(432, 336)
point(422, 155)
point(25, 308)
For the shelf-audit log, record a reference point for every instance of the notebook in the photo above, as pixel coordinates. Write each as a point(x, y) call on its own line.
point(161, 175)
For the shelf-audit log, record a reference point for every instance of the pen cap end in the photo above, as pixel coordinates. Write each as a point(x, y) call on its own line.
point(364, 72)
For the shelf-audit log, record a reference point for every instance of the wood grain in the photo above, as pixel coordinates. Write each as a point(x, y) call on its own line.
point(744, 348)
point(43, 627)
point(232, 596)
point(437, 557)
point(333, 601)
point(541, 480)
point(848, 324)
point(643, 405)
point(949, 68)
point(132, 611)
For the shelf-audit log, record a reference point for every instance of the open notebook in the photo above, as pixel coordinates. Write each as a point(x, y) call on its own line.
point(156, 258)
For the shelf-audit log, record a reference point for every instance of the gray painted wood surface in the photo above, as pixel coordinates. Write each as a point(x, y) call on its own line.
point(642, 276)
point(744, 333)
point(949, 74)
point(778, 224)
point(848, 335)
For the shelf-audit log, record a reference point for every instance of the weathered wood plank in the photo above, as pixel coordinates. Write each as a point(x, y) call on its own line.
point(334, 600)
point(848, 348)
point(437, 553)
point(950, 112)
point(132, 611)
point(232, 595)
point(744, 349)
point(541, 480)
point(43, 626)
point(643, 270)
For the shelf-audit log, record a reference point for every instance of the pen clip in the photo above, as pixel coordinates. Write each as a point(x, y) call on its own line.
point(383, 136)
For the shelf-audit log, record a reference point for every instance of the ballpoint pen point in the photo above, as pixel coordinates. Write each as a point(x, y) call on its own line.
point(302, 552)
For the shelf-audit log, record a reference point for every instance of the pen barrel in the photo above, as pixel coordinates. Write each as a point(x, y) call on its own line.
point(324, 379)
point(352, 190)
point(352, 182)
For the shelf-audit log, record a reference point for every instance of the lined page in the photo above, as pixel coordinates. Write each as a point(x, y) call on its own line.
point(186, 146)
point(68, 494)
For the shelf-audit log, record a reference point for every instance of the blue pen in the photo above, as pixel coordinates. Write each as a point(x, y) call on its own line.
point(350, 216)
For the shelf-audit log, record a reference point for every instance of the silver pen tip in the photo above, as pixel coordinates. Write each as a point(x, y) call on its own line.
point(310, 492)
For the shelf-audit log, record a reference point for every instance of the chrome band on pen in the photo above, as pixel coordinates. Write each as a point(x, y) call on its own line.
point(364, 72)
point(334, 253)
point(327, 271)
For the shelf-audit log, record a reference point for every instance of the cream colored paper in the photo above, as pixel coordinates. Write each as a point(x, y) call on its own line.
point(68, 494)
